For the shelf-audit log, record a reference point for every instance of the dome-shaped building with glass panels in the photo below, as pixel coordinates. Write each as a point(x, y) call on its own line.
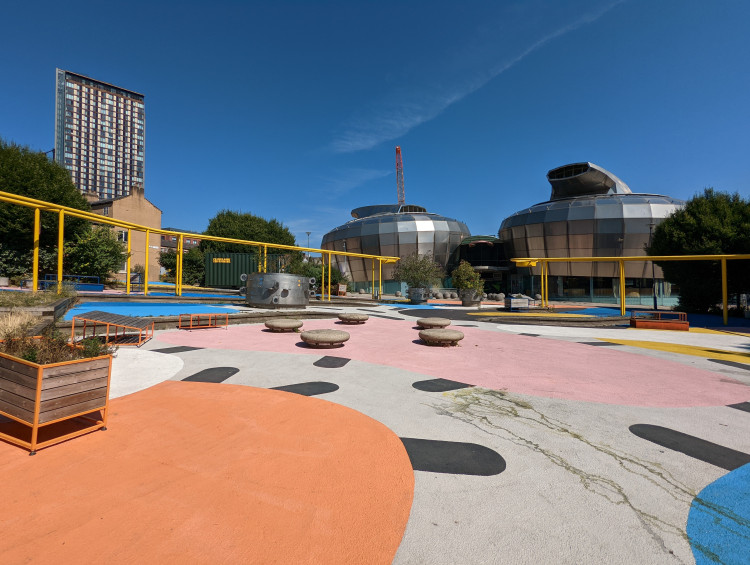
point(393, 230)
point(590, 213)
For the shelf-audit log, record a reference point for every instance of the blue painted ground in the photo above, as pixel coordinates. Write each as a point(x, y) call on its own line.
point(407, 305)
point(599, 312)
point(201, 294)
point(718, 525)
point(148, 309)
point(708, 321)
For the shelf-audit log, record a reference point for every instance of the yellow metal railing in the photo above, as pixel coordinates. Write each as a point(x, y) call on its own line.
point(62, 211)
point(544, 265)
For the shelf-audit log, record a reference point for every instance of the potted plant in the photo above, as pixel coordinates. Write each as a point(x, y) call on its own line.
point(469, 284)
point(45, 380)
point(420, 273)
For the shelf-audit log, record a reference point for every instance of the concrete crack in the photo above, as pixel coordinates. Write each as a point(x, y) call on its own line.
point(486, 409)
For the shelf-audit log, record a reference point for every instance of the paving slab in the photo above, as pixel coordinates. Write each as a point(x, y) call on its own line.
point(577, 485)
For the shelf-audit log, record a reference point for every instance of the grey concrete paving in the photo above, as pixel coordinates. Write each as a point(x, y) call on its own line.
point(579, 487)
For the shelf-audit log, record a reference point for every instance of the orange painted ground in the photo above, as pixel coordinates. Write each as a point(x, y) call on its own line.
point(206, 473)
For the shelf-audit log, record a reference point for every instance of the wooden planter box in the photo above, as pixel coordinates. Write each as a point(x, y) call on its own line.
point(36, 396)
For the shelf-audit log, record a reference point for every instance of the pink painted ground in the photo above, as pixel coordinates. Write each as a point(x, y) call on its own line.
point(526, 365)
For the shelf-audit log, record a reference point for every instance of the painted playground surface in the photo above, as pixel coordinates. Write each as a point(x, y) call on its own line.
point(525, 444)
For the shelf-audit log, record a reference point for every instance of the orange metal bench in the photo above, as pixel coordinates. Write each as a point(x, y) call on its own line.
point(656, 320)
point(199, 321)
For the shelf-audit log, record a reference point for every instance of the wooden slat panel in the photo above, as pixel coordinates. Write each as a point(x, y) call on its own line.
point(75, 367)
point(71, 399)
point(15, 388)
point(93, 404)
point(18, 378)
point(75, 388)
point(10, 363)
point(16, 411)
point(16, 400)
point(71, 378)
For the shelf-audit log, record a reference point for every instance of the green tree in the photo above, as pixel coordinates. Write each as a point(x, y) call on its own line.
point(418, 271)
point(710, 223)
point(310, 269)
point(239, 225)
point(193, 265)
point(29, 173)
point(96, 252)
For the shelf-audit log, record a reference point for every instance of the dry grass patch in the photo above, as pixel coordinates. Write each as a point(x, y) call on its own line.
point(20, 299)
point(16, 322)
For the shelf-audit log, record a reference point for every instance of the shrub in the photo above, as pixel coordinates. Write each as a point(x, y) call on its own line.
point(51, 347)
point(418, 271)
point(466, 278)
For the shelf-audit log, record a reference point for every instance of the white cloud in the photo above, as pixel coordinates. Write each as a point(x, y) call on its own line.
point(395, 120)
point(349, 179)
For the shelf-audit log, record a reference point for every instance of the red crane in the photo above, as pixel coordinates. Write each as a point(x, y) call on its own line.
point(400, 177)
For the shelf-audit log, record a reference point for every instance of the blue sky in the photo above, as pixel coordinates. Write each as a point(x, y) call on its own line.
point(292, 110)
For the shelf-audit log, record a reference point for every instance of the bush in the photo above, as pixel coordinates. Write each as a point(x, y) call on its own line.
point(466, 278)
point(95, 253)
point(193, 266)
point(298, 266)
point(51, 347)
point(418, 271)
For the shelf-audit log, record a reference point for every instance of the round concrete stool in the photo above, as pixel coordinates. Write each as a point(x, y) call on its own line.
point(324, 338)
point(439, 336)
point(352, 318)
point(283, 325)
point(428, 323)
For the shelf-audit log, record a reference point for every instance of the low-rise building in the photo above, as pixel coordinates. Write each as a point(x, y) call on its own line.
point(134, 208)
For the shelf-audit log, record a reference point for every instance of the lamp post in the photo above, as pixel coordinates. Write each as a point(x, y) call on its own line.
point(653, 269)
point(308, 243)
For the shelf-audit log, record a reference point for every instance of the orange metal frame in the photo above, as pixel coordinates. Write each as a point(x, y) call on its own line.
point(34, 444)
point(144, 334)
point(197, 321)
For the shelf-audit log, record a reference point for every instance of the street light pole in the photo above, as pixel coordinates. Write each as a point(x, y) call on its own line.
point(653, 269)
point(308, 243)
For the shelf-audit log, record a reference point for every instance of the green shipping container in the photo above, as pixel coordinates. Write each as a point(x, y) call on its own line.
point(223, 270)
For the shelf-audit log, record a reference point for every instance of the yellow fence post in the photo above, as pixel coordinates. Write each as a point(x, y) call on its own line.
point(145, 267)
point(372, 279)
point(330, 257)
point(35, 267)
point(265, 258)
point(724, 301)
point(127, 264)
point(60, 251)
point(541, 281)
point(622, 287)
point(178, 279)
point(380, 279)
point(322, 276)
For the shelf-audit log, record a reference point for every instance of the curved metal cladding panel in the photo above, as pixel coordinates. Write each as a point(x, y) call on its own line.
point(393, 234)
point(277, 290)
point(595, 226)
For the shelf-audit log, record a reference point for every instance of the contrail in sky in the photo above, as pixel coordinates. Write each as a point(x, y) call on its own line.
point(396, 121)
